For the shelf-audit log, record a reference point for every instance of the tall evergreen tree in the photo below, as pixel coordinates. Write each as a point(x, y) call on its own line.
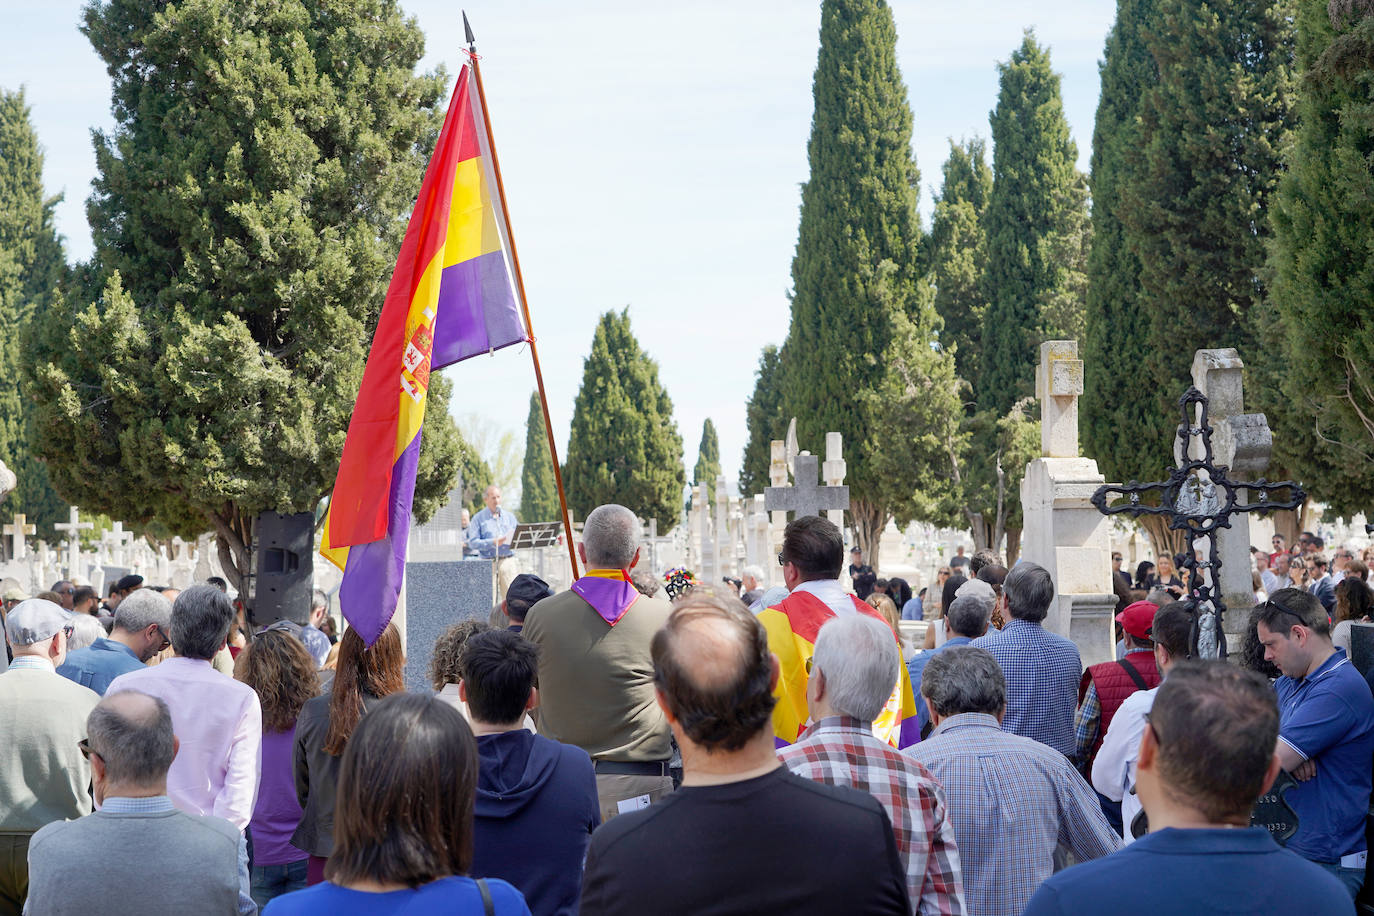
point(538, 490)
point(855, 270)
point(1196, 212)
point(1037, 229)
point(958, 253)
point(708, 461)
point(624, 446)
point(32, 265)
point(1319, 333)
point(1118, 322)
point(765, 422)
point(247, 212)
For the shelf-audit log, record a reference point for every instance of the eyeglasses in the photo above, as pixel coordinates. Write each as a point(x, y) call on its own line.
point(66, 591)
point(781, 561)
point(810, 662)
point(157, 628)
point(1154, 731)
point(1286, 610)
point(86, 750)
point(68, 630)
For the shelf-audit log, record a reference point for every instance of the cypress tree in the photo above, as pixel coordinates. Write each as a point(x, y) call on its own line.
point(538, 490)
point(1117, 320)
point(624, 446)
point(765, 422)
point(1037, 229)
point(958, 252)
point(32, 265)
point(247, 211)
point(708, 461)
point(1319, 331)
point(855, 267)
point(1196, 212)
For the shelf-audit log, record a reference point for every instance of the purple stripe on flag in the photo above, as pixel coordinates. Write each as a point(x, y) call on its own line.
point(372, 575)
point(909, 733)
point(610, 598)
point(477, 310)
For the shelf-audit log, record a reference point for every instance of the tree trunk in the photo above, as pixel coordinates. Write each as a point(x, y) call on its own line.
point(1162, 539)
point(1013, 546)
point(868, 520)
point(234, 541)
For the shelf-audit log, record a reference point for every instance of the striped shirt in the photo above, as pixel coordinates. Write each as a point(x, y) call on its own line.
point(1012, 801)
point(1043, 670)
point(842, 751)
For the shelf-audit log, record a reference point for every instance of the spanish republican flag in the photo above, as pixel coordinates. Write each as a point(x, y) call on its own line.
point(450, 298)
point(792, 626)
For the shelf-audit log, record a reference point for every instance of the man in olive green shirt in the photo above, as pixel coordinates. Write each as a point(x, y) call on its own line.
point(596, 677)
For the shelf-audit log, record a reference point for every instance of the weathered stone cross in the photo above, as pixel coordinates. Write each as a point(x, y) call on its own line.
point(16, 532)
point(73, 528)
point(805, 497)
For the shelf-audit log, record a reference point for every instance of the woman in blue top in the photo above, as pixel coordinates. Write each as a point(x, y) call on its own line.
point(403, 821)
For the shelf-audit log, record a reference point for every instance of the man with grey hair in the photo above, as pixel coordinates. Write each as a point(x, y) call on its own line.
point(1042, 668)
point(595, 669)
point(140, 630)
point(489, 534)
point(218, 720)
point(853, 671)
point(130, 745)
point(966, 619)
point(1013, 801)
point(751, 584)
point(43, 777)
point(316, 643)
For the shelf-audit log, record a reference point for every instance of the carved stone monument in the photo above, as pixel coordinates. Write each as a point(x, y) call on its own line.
point(1063, 531)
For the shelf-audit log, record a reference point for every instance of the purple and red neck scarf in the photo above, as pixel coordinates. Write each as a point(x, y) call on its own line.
point(609, 591)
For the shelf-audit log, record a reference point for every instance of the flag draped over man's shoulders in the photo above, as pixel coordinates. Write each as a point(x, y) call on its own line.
point(793, 625)
point(450, 298)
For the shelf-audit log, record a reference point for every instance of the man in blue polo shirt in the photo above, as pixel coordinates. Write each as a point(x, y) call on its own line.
point(140, 632)
point(1206, 755)
point(1326, 733)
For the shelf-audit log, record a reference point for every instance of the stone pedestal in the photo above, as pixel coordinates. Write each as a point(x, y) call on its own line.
point(438, 595)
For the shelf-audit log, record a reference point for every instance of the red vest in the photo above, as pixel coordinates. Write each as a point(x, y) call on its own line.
point(1114, 685)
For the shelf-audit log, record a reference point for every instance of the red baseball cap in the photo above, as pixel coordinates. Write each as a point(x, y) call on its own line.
point(1137, 619)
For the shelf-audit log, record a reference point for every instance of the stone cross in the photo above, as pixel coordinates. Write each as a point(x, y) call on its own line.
point(1058, 384)
point(1242, 443)
point(834, 470)
point(73, 528)
point(722, 547)
point(806, 497)
point(701, 505)
point(117, 537)
point(16, 533)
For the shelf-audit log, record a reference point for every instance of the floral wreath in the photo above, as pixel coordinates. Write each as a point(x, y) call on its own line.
point(678, 582)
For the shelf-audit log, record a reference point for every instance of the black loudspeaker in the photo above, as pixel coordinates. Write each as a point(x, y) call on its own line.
point(285, 569)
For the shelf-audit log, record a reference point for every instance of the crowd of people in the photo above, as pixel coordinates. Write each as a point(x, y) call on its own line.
point(606, 751)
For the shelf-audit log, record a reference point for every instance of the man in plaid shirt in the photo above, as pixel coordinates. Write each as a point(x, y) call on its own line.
point(852, 673)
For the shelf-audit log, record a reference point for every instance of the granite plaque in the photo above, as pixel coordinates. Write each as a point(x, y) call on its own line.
point(438, 595)
point(1273, 812)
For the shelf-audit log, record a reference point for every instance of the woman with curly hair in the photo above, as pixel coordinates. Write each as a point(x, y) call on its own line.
point(1353, 603)
point(278, 667)
point(445, 670)
point(364, 675)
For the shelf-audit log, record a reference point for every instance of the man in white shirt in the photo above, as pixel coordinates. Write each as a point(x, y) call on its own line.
point(1113, 773)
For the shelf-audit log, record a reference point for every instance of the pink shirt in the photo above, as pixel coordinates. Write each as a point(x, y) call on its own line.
point(219, 724)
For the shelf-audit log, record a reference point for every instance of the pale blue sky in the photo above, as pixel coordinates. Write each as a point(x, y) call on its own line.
point(652, 154)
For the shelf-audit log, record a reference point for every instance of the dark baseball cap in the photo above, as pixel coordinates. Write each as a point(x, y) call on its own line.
point(526, 590)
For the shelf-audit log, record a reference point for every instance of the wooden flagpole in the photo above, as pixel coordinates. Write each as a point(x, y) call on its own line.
point(524, 303)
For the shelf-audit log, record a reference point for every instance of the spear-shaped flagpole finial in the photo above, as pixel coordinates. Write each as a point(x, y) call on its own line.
point(467, 30)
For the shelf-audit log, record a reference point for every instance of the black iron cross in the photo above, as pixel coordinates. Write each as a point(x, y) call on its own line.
point(1198, 499)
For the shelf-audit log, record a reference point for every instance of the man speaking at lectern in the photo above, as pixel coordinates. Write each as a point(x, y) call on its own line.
point(489, 534)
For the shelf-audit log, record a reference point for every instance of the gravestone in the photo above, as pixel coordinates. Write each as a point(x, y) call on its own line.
point(805, 496)
point(439, 594)
point(73, 528)
point(834, 470)
point(1242, 443)
point(17, 531)
point(1063, 531)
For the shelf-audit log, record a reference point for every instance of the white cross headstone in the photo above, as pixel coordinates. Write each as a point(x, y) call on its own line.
point(834, 470)
point(117, 538)
point(721, 552)
point(73, 528)
point(16, 532)
point(806, 496)
point(1058, 384)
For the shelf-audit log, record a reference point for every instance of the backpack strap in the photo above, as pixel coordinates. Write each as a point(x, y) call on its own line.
point(488, 908)
point(1135, 675)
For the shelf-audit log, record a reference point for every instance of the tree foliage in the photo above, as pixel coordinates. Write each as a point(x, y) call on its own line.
point(1117, 319)
point(538, 490)
point(957, 253)
point(855, 273)
point(1321, 383)
point(624, 446)
point(1195, 209)
point(765, 422)
point(32, 266)
point(708, 461)
point(1037, 229)
point(247, 211)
